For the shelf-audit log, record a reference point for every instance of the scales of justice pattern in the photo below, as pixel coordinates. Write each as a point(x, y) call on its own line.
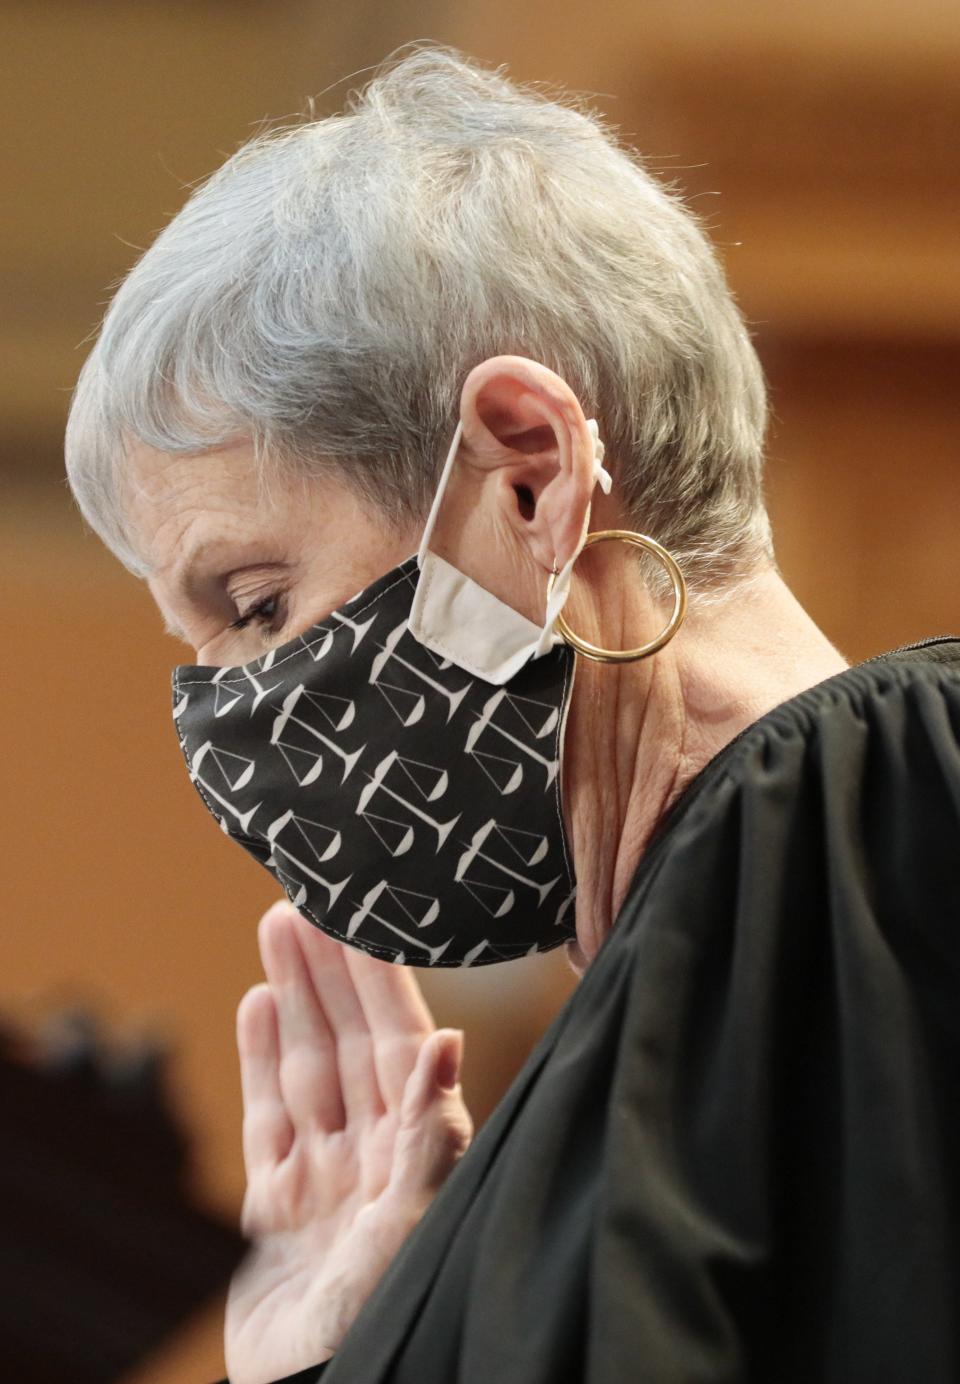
point(404, 805)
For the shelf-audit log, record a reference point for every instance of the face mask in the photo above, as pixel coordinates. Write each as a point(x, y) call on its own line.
point(397, 767)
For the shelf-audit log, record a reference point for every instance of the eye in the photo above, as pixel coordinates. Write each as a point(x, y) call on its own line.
point(266, 612)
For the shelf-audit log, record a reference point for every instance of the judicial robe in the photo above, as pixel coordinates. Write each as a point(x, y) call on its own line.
point(735, 1154)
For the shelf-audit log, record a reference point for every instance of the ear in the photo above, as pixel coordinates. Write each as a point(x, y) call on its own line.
point(523, 422)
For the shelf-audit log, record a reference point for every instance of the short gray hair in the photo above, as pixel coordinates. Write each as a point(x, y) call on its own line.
point(328, 289)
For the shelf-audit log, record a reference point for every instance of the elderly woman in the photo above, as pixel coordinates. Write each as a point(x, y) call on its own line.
point(436, 701)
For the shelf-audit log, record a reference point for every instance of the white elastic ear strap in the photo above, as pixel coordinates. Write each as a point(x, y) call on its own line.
point(431, 523)
point(600, 476)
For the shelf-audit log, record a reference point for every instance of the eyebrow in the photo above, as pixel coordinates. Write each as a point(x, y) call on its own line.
point(243, 553)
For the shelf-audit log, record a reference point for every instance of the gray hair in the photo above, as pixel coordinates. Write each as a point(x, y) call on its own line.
point(328, 289)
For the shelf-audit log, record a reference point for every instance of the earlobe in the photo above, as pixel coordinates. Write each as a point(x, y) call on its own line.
point(522, 419)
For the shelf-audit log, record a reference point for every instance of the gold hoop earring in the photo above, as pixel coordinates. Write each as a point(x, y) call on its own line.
point(650, 545)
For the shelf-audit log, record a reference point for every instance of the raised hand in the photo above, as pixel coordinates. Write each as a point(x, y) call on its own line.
point(353, 1117)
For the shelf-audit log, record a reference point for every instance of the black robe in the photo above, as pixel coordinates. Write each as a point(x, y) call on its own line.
point(735, 1154)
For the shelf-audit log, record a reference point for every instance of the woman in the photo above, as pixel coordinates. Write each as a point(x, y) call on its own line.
point(734, 1153)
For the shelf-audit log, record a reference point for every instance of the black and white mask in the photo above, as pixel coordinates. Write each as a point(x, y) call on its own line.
point(397, 766)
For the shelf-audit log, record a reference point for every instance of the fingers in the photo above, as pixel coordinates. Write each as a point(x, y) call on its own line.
point(396, 1015)
point(267, 1131)
point(389, 994)
point(435, 1125)
point(336, 997)
point(367, 1016)
point(308, 1069)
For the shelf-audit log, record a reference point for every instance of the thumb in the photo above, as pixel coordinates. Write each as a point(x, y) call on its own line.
point(436, 1072)
point(435, 1127)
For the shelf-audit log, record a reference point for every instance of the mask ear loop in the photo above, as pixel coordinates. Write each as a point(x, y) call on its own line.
point(431, 523)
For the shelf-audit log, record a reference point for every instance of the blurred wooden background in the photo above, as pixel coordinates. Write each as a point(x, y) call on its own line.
point(818, 141)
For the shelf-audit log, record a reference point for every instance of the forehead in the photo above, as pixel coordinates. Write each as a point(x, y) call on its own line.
point(217, 496)
point(157, 483)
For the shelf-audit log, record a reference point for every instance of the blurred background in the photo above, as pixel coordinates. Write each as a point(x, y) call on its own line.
point(818, 142)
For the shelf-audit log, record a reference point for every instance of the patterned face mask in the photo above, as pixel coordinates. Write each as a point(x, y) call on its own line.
point(397, 766)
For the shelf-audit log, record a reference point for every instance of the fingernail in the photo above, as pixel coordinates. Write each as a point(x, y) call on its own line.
point(448, 1063)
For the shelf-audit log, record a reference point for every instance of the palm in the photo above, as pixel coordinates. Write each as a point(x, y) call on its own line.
point(351, 1121)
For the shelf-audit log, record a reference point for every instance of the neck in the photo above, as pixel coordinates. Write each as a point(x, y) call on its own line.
point(638, 733)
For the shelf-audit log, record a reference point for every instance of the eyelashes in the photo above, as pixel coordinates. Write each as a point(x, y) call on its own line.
point(268, 613)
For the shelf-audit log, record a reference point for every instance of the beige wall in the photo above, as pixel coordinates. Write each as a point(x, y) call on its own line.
point(831, 141)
